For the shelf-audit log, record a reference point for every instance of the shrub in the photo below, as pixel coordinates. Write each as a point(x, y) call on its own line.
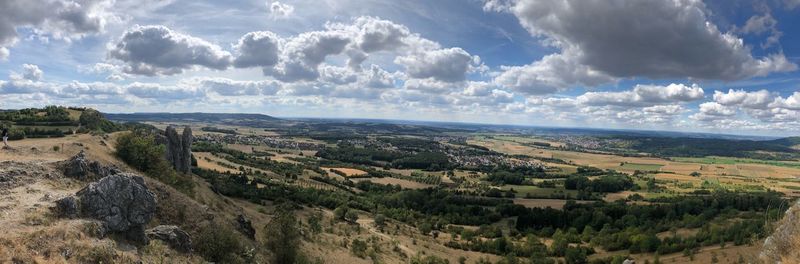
point(218, 244)
point(359, 248)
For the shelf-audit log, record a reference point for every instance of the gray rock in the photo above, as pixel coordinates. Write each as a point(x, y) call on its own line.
point(81, 168)
point(185, 165)
point(174, 236)
point(178, 148)
point(121, 201)
point(67, 207)
point(245, 226)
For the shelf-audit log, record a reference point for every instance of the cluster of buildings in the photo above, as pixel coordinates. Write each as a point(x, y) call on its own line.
point(273, 142)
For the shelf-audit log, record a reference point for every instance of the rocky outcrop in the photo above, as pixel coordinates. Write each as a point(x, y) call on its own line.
point(173, 236)
point(245, 226)
point(81, 168)
point(179, 148)
point(67, 207)
point(784, 244)
point(122, 202)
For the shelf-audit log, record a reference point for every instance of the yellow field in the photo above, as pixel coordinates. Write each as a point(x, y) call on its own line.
point(347, 171)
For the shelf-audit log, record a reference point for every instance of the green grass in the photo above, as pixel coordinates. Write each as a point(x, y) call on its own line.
point(642, 166)
point(727, 160)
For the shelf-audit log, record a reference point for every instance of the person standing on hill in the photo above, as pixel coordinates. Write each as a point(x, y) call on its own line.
point(5, 136)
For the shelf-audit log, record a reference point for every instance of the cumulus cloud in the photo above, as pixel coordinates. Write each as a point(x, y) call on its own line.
point(31, 72)
point(379, 78)
point(712, 111)
point(57, 19)
point(644, 95)
point(278, 10)
point(302, 55)
point(755, 100)
point(448, 65)
point(552, 73)
point(157, 50)
point(652, 38)
point(260, 48)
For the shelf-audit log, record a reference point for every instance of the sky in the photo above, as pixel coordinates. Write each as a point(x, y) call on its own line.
point(719, 66)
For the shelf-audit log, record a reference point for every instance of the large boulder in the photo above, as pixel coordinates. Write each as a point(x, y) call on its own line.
point(121, 201)
point(173, 235)
point(81, 168)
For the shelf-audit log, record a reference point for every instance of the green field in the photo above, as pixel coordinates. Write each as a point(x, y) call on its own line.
point(534, 191)
point(642, 166)
point(727, 160)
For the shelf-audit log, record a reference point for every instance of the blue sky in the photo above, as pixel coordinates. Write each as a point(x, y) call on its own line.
point(682, 65)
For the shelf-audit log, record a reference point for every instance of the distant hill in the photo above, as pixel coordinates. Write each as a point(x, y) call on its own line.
point(196, 117)
point(789, 141)
point(779, 149)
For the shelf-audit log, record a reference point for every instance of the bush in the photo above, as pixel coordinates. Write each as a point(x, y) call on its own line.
point(218, 244)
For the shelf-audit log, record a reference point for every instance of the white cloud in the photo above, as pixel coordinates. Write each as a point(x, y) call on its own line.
point(379, 78)
point(552, 73)
point(4, 53)
point(31, 72)
point(302, 55)
point(644, 95)
point(259, 48)
point(157, 50)
point(754, 100)
point(278, 10)
point(56, 19)
point(447, 65)
point(652, 38)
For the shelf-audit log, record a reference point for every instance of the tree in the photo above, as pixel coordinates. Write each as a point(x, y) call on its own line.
point(380, 221)
point(358, 247)
point(315, 222)
point(340, 212)
point(93, 120)
point(425, 228)
point(351, 216)
point(283, 236)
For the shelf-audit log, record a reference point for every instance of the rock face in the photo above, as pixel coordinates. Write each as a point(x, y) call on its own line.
point(245, 226)
point(67, 207)
point(122, 202)
point(174, 236)
point(783, 244)
point(81, 168)
point(179, 148)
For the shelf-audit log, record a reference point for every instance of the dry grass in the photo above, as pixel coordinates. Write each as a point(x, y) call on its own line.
point(347, 171)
